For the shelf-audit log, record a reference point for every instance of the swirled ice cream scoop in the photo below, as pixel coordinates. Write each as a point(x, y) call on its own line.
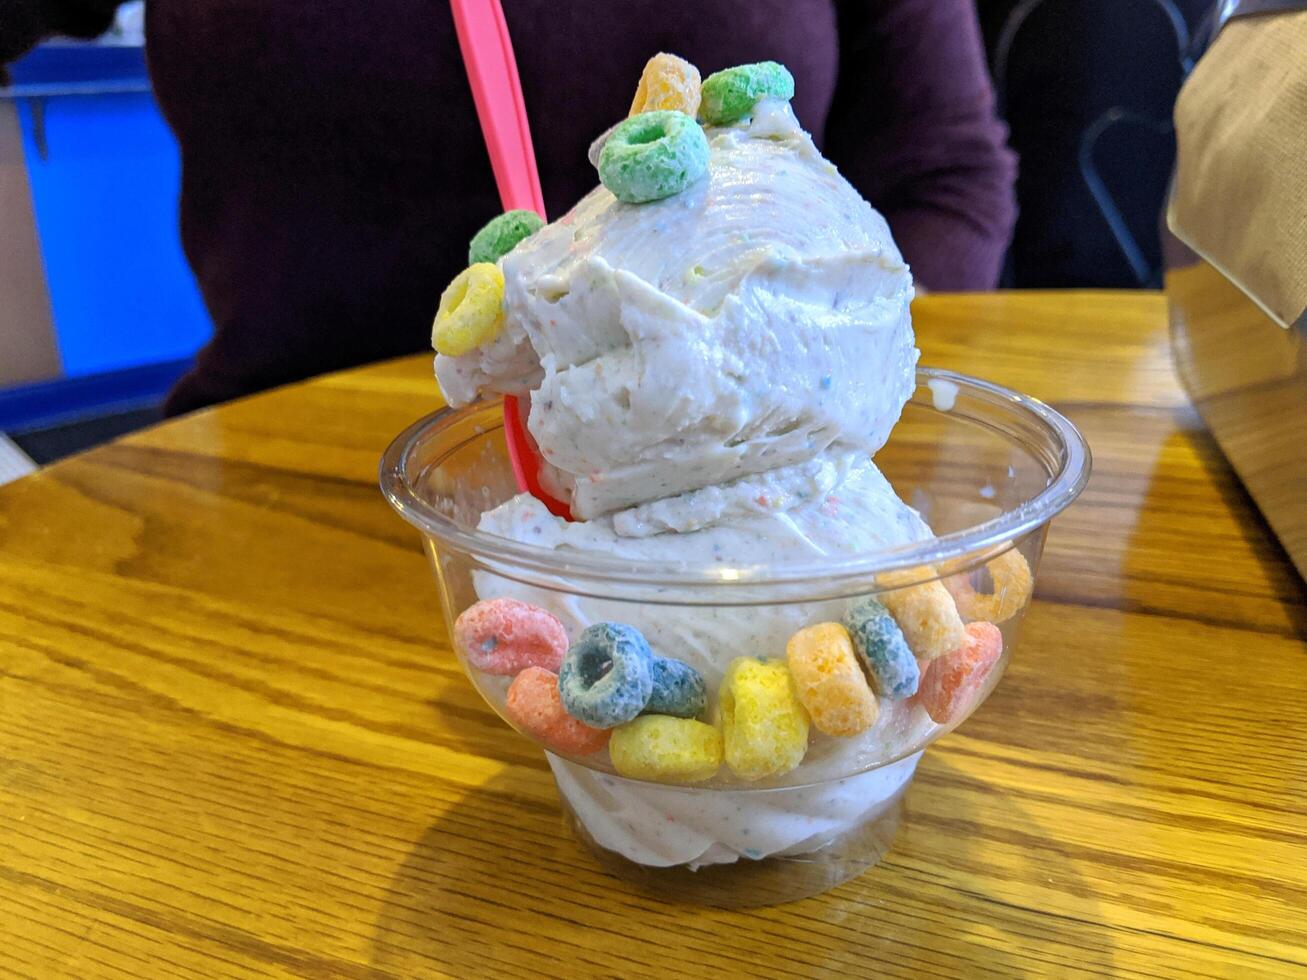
point(709, 376)
point(749, 324)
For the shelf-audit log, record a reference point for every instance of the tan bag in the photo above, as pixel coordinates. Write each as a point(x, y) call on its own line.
point(1240, 194)
point(1238, 309)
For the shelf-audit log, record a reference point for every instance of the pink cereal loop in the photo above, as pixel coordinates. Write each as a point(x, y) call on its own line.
point(925, 612)
point(533, 705)
point(1013, 584)
point(953, 682)
point(504, 636)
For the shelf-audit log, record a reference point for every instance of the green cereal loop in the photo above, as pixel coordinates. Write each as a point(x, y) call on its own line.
point(652, 156)
point(731, 94)
point(501, 235)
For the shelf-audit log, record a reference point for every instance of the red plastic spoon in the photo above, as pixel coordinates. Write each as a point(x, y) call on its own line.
point(497, 91)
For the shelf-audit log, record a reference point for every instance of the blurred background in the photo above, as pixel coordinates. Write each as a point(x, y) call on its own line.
point(99, 313)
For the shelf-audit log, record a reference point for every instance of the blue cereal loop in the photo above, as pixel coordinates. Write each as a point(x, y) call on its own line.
point(678, 689)
point(605, 679)
point(882, 649)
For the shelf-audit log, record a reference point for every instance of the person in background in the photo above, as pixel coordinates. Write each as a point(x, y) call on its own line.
point(333, 169)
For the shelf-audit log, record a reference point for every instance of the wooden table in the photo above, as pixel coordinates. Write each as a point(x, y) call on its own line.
point(233, 741)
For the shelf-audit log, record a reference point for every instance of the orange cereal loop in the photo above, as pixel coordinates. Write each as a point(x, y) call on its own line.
point(925, 612)
point(1013, 584)
point(828, 680)
point(534, 706)
point(953, 682)
point(668, 82)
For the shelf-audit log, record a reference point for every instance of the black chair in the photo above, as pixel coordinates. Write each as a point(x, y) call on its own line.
point(1087, 88)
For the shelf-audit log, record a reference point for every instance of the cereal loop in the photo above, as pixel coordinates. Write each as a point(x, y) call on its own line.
point(925, 612)
point(1013, 584)
point(667, 82)
point(952, 683)
point(883, 650)
point(501, 234)
point(764, 727)
point(828, 680)
point(652, 156)
point(728, 96)
point(666, 749)
point(504, 636)
point(471, 312)
point(534, 706)
point(678, 689)
point(605, 678)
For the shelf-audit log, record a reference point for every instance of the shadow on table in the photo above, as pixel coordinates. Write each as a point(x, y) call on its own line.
point(977, 876)
point(1258, 536)
point(498, 885)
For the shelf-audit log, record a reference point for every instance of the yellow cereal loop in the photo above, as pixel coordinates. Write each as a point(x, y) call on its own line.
point(828, 681)
point(471, 312)
point(925, 613)
point(668, 82)
point(1013, 583)
point(764, 727)
point(666, 749)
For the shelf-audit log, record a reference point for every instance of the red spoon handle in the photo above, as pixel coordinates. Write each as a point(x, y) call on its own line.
point(497, 92)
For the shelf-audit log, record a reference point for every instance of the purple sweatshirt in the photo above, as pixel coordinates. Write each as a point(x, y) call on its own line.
point(333, 170)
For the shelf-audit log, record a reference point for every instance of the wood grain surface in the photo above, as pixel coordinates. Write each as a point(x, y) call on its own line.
point(233, 741)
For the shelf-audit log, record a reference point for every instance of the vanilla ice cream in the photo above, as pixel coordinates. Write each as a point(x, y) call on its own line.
point(709, 376)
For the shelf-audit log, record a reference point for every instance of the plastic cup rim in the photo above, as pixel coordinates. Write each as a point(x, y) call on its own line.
point(978, 542)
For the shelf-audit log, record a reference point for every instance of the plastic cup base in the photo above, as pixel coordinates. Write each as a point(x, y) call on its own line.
point(749, 883)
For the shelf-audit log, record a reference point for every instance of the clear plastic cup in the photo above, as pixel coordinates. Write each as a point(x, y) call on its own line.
point(986, 467)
